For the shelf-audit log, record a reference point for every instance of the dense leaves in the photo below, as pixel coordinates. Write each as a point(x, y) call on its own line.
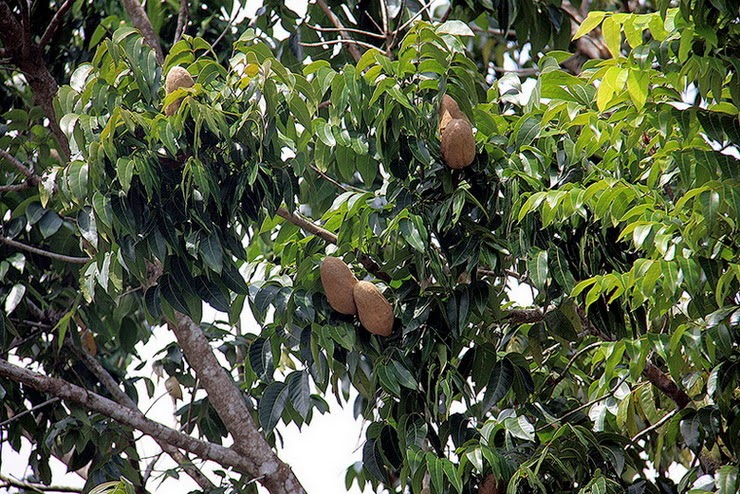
point(612, 194)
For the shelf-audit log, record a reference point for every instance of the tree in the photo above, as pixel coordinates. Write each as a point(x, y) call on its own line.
point(613, 193)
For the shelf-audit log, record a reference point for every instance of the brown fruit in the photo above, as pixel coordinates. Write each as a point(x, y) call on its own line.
point(338, 281)
point(177, 78)
point(374, 311)
point(489, 486)
point(458, 144)
point(448, 111)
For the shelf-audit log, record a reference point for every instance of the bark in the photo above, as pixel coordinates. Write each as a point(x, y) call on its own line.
point(141, 22)
point(227, 399)
point(227, 457)
point(665, 384)
point(25, 54)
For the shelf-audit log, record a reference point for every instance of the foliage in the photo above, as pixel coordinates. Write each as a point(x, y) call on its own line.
point(612, 193)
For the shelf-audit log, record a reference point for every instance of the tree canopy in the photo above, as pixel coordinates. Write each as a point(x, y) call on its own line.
point(611, 189)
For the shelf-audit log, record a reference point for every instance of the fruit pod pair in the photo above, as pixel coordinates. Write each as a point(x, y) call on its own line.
point(456, 135)
point(176, 78)
point(348, 296)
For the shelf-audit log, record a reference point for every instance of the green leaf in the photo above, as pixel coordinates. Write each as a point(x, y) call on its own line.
point(612, 35)
point(14, 297)
point(500, 382)
point(211, 252)
point(538, 270)
point(300, 392)
point(637, 87)
point(49, 224)
point(372, 460)
point(272, 404)
point(456, 28)
point(403, 376)
point(411, 234)
point(591, 22)
point(452, 475)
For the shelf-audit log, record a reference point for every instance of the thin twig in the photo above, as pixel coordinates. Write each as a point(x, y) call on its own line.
point(28, 172)
point(586, 405)
point(182, 21)
point(32, 486)
point(413, 18)
point(46, 253)
point(348, 29)
point(328, 178)
point(30, 410)
point(522, 72)
point(342, 32)
point(349, 42)
point(14, 187)
point(573, 359)
point(51, 29)
point(656, 425)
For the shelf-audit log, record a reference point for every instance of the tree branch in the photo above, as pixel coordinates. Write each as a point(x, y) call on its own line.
point(53, 26)
point(370, 265)
point(35, 487)
point(27, 57)
point(122, 398)
point(227, 399)
point(182, 21)
point(347, 29)
point(342, 32)
point(666, 385)
point(32, 177)
point(131, 418)
point(45, 253)
point(348, 42)
point(141, 22)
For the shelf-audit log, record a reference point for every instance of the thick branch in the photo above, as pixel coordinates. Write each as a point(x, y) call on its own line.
point(342, 32)
point(665, 384)
point(122, 398)
point(53, 26)
point(68, 391)
point(227, 399)
point(141, 22)
point(26, 55)
point(45, 253)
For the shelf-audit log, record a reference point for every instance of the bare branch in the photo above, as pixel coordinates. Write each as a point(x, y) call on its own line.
point(35, 487)
point(141, 22)
point(14, 187)
point(342, 32)
point(228, 400)
point(414, 17)
point(308, 226)
point(45, 253)
point(522, 72)
point(182, 21)
point(348, 42)
point(53, 26)
point(27, 411)
point(28, 172)
point(348, 29)
point(68, 391)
